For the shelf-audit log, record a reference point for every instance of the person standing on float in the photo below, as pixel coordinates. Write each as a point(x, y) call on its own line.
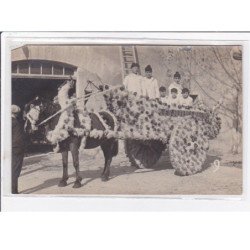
point(176, 85)
point(150, 86)
point(133, 81)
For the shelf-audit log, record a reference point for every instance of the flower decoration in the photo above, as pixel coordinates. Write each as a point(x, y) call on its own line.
point(144, 119)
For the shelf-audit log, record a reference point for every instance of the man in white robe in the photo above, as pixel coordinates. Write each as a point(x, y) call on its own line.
point(133, 81)
point(150, 86)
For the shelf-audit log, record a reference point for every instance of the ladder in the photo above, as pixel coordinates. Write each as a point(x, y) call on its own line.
point(128, 55)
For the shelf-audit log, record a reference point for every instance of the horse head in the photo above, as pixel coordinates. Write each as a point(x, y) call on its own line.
point(32, 113)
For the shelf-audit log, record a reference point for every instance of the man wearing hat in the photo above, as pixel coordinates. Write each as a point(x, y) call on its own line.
point(150, 85)
point(18, 147)
point(133, 81)
point(176, 84)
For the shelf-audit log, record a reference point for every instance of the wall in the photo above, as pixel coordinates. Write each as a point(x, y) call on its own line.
point(102, 60)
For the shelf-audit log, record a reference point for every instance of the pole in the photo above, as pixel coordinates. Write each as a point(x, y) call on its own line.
point(85, 97)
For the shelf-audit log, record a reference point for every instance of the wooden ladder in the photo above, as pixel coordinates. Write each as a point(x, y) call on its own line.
point(128, 56)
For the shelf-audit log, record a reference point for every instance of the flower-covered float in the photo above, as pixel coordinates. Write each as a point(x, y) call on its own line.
point(148, 127)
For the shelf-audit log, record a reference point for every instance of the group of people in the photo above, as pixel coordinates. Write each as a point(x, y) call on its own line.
point(148, 86)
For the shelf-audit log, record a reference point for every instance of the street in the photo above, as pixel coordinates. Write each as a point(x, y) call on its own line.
point(41, 174)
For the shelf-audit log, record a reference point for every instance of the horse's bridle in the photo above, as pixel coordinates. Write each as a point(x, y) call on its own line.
point(31, 120)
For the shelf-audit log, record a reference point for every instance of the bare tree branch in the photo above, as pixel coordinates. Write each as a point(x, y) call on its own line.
point(236, 72)
point(213, 75)
point(218, 57)
point(205, 92)
point(227, 115)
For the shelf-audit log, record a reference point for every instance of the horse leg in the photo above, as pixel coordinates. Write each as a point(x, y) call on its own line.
point(75, 156)
point(107, 149)
point(65, 177)
point(106, 170)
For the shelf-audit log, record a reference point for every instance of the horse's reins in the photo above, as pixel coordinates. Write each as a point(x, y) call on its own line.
point(85, 97)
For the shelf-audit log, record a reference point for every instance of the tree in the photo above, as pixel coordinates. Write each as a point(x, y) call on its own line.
point(215, 72)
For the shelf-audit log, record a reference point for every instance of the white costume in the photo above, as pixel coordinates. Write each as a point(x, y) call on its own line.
point(173, 102)
point(177, 86)
point(150, 88)
point(164, 99)
point(133, 83)
point(63, 95)
point(186, 101)
point(66, 120)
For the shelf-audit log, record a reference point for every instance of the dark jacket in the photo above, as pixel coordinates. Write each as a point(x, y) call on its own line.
point(18, 135)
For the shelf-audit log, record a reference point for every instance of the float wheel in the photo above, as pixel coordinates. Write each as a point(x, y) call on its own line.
point(187, 148)
point(143, 154)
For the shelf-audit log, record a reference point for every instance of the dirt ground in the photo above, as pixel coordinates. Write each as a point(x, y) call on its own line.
point(41, 174)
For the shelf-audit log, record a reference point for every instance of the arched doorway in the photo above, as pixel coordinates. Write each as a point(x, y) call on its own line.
point(31, 78)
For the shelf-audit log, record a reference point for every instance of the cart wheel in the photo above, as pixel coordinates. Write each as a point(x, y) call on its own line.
point(143, 154)
point(188, 147)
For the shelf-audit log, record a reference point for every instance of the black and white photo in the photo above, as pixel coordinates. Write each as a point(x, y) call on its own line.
point(127, 119)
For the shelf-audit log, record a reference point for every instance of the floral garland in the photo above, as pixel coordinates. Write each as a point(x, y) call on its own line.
point(146, 119)
point(136, 117)
point(65, 125)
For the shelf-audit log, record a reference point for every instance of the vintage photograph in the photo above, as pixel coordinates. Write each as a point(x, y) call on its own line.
point(126, 119)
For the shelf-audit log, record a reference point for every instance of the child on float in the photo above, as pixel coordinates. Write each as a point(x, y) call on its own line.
point(185, 99)
point(163, 94)
point(173, 99)
point(176, 84)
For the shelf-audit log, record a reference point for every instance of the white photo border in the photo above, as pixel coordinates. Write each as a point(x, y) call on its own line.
point(20, 202)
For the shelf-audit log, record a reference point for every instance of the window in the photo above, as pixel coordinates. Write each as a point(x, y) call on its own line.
point(24, 68)
point(58, 70)
point(35, 68)
point(68, 71)
point(47, 69)
point(42, 68)
point(14, 68)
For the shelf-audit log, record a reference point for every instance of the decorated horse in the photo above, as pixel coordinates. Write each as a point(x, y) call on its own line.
point(69, 129)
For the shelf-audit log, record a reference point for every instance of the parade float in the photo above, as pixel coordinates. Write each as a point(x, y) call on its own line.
point(148, 127)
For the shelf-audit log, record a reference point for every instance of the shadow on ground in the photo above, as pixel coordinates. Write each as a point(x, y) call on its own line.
point(116, 171)
point(87, 175)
